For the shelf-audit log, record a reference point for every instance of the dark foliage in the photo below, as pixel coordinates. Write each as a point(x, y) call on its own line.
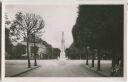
point(52, 53)
point(17, 52)
point(8, 43)
point(100, 27)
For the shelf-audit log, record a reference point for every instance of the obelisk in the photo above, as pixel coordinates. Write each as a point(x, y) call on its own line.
point(62, 53)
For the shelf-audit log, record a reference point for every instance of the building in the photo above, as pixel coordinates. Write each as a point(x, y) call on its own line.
point(42, 48)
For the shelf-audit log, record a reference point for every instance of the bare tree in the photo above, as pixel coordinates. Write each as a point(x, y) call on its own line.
point(24, 25)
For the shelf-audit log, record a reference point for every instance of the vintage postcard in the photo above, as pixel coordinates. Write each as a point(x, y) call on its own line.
point(48, 41)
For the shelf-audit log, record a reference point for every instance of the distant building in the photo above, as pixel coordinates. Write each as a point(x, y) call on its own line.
point(42, 48)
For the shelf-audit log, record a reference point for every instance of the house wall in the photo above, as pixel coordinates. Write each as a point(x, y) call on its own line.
point(42, 50)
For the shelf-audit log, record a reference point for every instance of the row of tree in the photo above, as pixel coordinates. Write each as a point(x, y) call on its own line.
point(18, 51)
point(79, 53)
point(99, 29)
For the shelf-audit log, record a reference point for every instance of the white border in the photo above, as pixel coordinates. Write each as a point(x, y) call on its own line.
point(62, 79)
point(64, 1)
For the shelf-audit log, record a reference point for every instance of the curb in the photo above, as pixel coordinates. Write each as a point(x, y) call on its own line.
point(16, 75)
point(94, 71)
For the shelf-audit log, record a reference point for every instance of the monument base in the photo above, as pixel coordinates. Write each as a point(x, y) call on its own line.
point(62, 56)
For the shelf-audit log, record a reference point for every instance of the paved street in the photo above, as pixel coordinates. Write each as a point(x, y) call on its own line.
point(54, 68)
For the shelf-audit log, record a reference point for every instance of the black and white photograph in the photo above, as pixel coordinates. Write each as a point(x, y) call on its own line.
point(77, 40)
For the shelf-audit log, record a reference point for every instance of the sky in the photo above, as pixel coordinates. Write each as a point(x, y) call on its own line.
point(57, 19)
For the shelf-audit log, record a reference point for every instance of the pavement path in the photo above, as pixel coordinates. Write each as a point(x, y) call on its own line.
point(61, 68)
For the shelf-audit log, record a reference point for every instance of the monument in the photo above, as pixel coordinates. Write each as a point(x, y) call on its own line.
point(62, 53)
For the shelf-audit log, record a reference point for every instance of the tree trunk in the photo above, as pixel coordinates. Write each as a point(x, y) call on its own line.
point(80, 56)
point(29, 63)
point(121, 67)
point(98, 64)
point(86, 56)
point(35, 62)
point(93, 59)
point(112, 68)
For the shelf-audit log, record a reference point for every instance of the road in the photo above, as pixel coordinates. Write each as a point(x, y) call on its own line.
point(66, 68)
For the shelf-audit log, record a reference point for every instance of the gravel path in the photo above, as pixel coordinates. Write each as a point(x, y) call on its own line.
point(54, 68)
